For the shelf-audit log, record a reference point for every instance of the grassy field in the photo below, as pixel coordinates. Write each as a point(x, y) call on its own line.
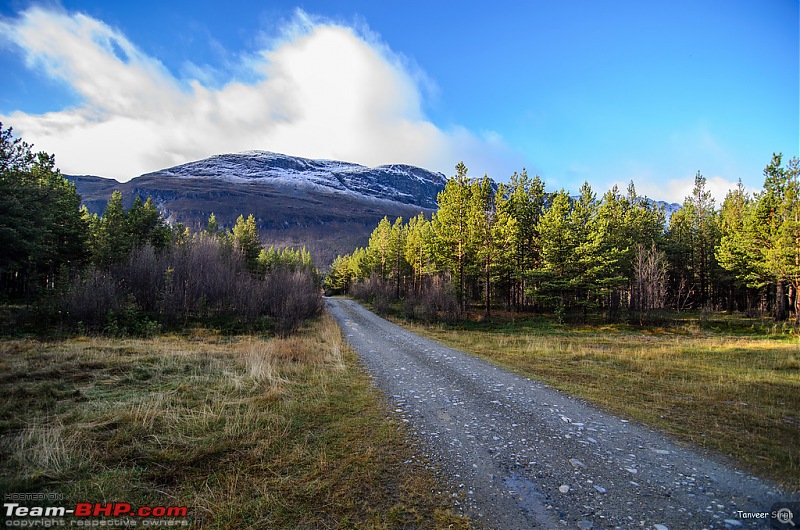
point(726, 384)
point(246, 432)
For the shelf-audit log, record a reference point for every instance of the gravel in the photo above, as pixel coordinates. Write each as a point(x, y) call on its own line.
point(521, 454)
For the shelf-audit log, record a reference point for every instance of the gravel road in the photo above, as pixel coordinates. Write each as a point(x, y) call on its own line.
point(523, 455)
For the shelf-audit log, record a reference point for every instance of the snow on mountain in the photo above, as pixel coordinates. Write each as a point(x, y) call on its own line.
point(328, 206)
point(397, 182)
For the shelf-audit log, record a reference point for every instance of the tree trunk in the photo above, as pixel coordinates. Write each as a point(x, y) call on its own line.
point(781, 309)
point(487, 292)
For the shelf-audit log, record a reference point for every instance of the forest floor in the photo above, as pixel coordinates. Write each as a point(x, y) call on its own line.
point(244, 431)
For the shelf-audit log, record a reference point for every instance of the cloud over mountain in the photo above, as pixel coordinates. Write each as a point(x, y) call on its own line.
point(323, 90)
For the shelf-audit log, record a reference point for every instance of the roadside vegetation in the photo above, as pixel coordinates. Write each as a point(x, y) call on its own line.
point(621, 256)
point(247, 432)
point(146, 363)
point(687, 322)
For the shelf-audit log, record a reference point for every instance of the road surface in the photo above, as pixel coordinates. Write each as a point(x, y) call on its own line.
point(524, 455)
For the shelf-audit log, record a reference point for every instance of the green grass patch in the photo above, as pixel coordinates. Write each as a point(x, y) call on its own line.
point(248, 432)
point(721, 382)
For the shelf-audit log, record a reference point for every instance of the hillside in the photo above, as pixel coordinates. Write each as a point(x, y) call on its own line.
point(329, 206)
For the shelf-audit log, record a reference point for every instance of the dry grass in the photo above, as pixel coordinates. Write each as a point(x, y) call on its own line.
point(247, 432)
point(733, 391)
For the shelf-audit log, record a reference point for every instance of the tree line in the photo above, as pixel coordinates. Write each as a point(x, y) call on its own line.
point(128, 270)
point(516, 246)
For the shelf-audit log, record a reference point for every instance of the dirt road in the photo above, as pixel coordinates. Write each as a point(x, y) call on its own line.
point(523, 455)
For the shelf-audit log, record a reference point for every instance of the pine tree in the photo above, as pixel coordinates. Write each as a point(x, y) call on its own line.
point(339, 276)
point(526, 204)
point(505, 234)
point(556, 274)
point(111, 241)
point(378, 248)
point(451, 229)
point(246, 240)
point(397, 258)
point(736, 252)
point(42, 229)
point(147, 225)
point(587, 261)
point(419, 249)
point(693, 236)
point(776, 233)
point(212, 226)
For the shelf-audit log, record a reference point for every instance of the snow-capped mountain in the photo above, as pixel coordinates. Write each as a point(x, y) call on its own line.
point(329, 206)
point(397, 182)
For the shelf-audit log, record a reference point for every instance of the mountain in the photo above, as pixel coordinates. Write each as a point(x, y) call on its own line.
point(329, 206)
point(669, 208)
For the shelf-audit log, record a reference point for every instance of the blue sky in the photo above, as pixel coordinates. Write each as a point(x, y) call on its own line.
point(606, 92)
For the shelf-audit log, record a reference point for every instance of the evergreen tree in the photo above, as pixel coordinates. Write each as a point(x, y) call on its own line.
point(419, 249)
point(491, 230)
point(379, 248)
point(397, 256)
point(339, 276)
point(42, 229)
point(774, 229)
point(212, 226)
point(147, 225)
point(588, 263)
point(736, 252)
point(526, 198)
point(505, 235)
point(246, 240)
point(693, 236)
point(111, 240)
point(451, 230)
point(558, 251)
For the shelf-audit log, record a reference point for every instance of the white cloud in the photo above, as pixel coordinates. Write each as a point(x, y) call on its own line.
point(676, 190)
point(323, 90)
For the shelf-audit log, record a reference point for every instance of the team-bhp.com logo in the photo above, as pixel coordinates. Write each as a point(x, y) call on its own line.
point(86, 514)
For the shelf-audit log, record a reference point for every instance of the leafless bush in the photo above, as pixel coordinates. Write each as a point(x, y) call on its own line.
point(197, 279)
point(203, 278)
point(435, 300)
point(376, 291)
point(291, 297)
point(649, 290)
point(143, 276)
point(91, 298)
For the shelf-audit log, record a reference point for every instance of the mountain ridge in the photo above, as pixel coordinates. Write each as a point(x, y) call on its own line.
point(328, 206)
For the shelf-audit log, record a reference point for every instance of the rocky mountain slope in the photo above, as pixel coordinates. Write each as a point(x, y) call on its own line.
point(329, 206)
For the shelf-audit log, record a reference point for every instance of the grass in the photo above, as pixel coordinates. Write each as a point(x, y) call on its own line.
point(725, 383)
point(247, 432)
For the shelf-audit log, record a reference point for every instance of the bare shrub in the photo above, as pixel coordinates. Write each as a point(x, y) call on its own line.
point(200, 278)
point(649, 290)
point(376, 291)
point(92, 297)
point(435, 300)
point(143, 274)
point(203, 278)
point(291, 297)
